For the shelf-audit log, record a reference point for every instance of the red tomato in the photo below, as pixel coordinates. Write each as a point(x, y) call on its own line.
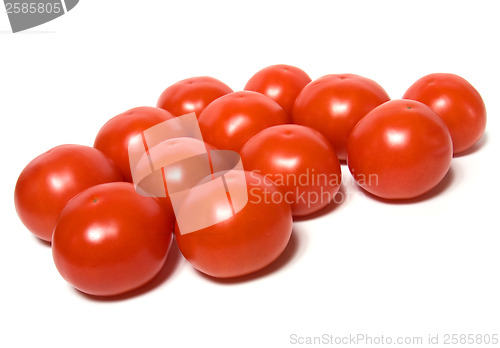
point(49, 181)
point(110, 240)
point(400, 150)
point(282, 83)
point(192, 95)
point(172, 155)
point(245, 242)
point(300, 161)
point(113, 138)
point(457, 102)
point(228, 122)
point(333, 104)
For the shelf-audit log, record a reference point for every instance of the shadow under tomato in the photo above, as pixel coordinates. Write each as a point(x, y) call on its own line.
point(289, 254)
point(338, 199)
point(443, 185)
point(474, 148)
point(172, 264)
point(44, 242)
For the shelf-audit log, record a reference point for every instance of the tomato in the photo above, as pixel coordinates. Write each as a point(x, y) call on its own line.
point(246, 241)
point(177, 170)
point(282, 83)
point(228, 122)
point(300, 161)
point(114, 137)
point(333, 104)
point(109, 239)
point(49, 181)
point(400, 150)
point(192, 95)
point(457, 102)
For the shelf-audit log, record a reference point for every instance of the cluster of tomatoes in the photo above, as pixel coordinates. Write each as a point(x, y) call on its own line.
point(291, 133)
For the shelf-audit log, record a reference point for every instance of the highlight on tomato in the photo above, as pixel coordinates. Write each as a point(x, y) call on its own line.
point(280, 82)
point(334, 104)
point(115, 135)
point(400, 150)
point(231, 120)
point(300, 161)
point(192, 95)
point(109, 240)
point(244, 242)
point(458, 104)
point(50, 180)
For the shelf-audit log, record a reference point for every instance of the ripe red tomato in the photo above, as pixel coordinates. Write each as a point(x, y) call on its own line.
point(282, 83)
point(400, 150)
point(110, 240)
point(114, 137)
point(192, 95)
point(333, 104)
point(245, 242)
point(457, 102)
point(49, 181)
point(300, 161)
point(175, 156)
point(228, 122)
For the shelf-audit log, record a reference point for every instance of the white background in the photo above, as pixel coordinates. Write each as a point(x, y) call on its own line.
point(429, 267)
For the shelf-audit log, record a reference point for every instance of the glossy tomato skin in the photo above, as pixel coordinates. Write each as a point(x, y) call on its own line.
point(171, 155)
point(333, 104)
point(457, 102)
point(50, 180)
point(228, 122)
point(114, 137)
point(281, 82)
point(400, 150)
point(192, 95)
point(109, 240)
point(300, 161)
point(247, 241)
